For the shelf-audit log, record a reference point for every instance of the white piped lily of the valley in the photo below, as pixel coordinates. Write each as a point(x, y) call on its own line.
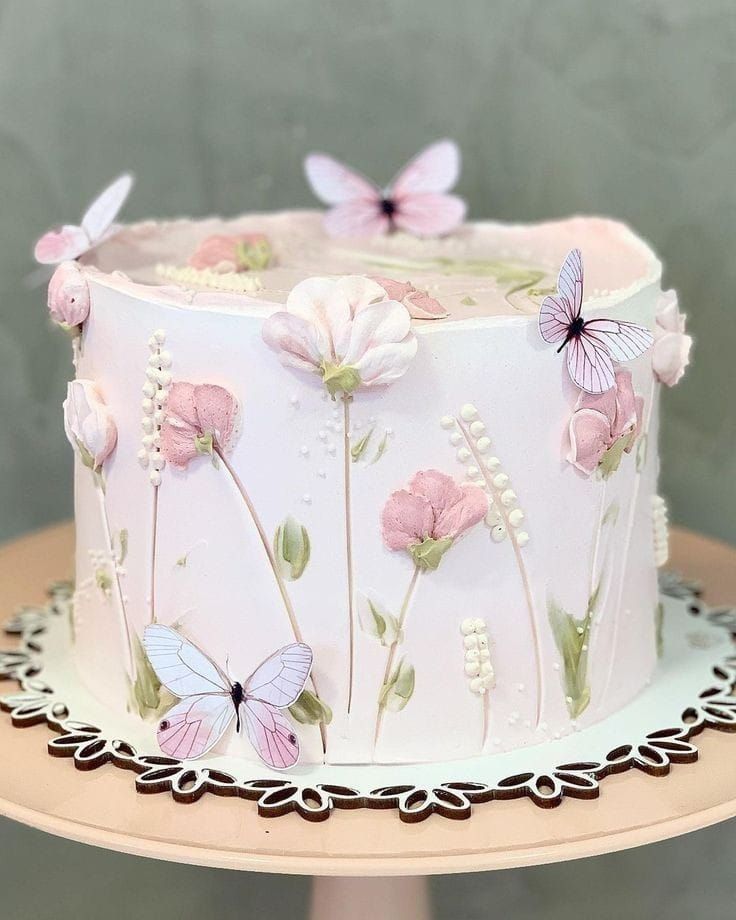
point(478, 667)
point(88, 423)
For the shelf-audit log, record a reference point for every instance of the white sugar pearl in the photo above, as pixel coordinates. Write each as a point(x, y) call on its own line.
point(470, 641)
point(164, 378)
point(153, 344)
point(447, 421)
point(160, 336)
point(489, 680)
point(508, 497)
point(165, 358)
point(147, 406)
point(486, 668)
point(484, 444)
point(149, 389)
point(484, 654)
point(147, 424)
point(143, 458)
point(482, 641)
point(477, 429)
point(522, 538)
point(493, 517)
point(158, 416)
point(147, 440)
point(472, 669)
point(456, 438)
point(477, 685)
point(153, 362)
point(157, 461)
point(155, 478)
point(498, 533)
point(468, 412)
point(500, 480)
point(516, 517)
point(467, 626)
point(492, 463)
point(152, 374)
point(472, 654)
point(463, 455)
point(473, 472)
point(479, 624)
point(322, 435)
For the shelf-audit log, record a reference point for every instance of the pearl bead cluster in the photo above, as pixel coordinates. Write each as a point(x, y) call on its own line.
point(660, 520)
point(468, 434)
point(155, 392)
point(478, 667)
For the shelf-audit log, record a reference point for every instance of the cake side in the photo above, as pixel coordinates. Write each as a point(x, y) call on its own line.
point(483, 401)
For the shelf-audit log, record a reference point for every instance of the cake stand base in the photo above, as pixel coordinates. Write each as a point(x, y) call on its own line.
point(105, 810)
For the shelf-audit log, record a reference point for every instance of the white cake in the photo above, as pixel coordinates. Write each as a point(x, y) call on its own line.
point(502, 597)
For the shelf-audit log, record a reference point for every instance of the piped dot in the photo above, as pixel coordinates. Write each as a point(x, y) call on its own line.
point(477, 428)
point(468, 412)
point(447, 421)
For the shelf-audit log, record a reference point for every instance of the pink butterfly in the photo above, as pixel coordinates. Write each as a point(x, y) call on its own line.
point(210, 700)
point(70, 241)
point(415, 201)
point(592, 344)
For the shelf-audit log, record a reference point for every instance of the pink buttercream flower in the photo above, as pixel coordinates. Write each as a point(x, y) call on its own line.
point(88, 423)
point(671, 353)
point(199, 420)
point(427, 518)
point(68, 297)
point(608, 422)
point(239, 252)
point(344, 330)
point(419, 303)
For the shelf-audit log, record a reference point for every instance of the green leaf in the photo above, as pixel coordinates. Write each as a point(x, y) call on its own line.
point(253, 256)
point(611, 460)
point(103, 580)
point(382, 448)
point(360, 447)
point(123, 541)
point(428, 554)
point(659, 628)
point(376, 621)
point(468, 301)
point(291, 548)
point(571, 636)
point(147, 695)
point(399, 688)
point(309, 709)
point(641, 452)
point(339, 379)
point(612, 513)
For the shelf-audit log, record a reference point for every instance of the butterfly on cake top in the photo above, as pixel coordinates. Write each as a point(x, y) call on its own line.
point(70, 241)
point(592, 344)
point(416, 200)
point(210, 700)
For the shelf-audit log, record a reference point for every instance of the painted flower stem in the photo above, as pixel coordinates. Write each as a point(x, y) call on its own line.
point(406, 604)
point(347, 465)
point(526, 584)
point(154, 549)
point(125, 631)
point(281, 585)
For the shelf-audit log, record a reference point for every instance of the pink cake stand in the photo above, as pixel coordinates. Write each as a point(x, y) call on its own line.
point(365, 863)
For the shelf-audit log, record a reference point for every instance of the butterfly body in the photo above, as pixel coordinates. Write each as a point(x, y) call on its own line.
point(416, 201)
point(209, 700)
point(592, 344)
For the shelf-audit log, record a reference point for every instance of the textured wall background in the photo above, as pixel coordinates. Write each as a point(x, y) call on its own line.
point(626, 108)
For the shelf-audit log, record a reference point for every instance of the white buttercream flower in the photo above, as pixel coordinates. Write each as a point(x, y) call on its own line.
point(88, 423)
point(345, 330)
point(671, 353)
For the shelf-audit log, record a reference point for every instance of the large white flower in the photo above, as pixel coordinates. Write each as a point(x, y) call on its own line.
point(345, 330)
point(88, 423)
point(671, 354)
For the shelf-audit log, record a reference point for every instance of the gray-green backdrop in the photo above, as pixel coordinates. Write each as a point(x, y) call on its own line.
point(624, 108)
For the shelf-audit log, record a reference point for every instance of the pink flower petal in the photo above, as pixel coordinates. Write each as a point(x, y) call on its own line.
point(68, 296)
point(466, 512)
point(406, 520)
point(56, 246)
point(421, 306)
point(440, 490)
point(217, 411)
point(297, 340)
point(590, 438)
point(396, 290)
point(626, 404)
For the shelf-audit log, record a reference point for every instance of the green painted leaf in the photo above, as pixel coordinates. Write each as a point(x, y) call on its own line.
point(339, 379)
point(360, 447)
point(641, 452)
point(611, 460)
point(292, 549)
point(376, 621)
point(659, 628)
point(399, 688)
point(468, 301)
point(103, 580)
point(428, 554)
point(612, 513)
point(123, 541)
point(147, 696)
point(382, 448)
point(309, 709)
point(571, 637)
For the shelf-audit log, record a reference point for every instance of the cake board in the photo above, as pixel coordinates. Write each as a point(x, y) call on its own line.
point(104, 809)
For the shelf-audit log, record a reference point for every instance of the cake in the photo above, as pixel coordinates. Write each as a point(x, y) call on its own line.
point(353, 468)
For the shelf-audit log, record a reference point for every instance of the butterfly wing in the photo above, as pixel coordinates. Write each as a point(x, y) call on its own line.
point(56, 246)
point(180, 666)
point(356, 219)
point(281, 678)
point(99, 216)
point(429, 214)
point(559, 310)
point(335, 183)
point(590, 364)
point(195, 725)
point(418, 192)
point(271, 734)
point(624, 341)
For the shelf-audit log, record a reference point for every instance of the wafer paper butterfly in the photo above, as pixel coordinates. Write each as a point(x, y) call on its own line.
point(210, 700)
point(415, 201)
point(70, 241)
point(592, 344)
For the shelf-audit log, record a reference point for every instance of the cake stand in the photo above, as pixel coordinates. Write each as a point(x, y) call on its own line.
point(366, 863)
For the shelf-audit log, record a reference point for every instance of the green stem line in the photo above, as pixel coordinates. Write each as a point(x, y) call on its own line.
point(347, 463)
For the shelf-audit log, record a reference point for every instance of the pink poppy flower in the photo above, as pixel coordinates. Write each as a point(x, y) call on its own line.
point(240, 252)
point(607, 422)
point(427, 518)
point(68, 297)
point(345, 331)
point(419, 304)
point(671, 353)
point(88, 423)
point(199, 420)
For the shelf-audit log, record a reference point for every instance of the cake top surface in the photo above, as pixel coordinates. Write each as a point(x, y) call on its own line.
point(482, 269)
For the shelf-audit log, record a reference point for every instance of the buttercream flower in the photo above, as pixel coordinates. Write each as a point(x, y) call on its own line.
point(68, 297)
point(239, 252)
point(419, 303)
point(427, 518)
point(671, 352)
point(344, 330)
point(88, 423)
point(199, 420)
point(604, 427)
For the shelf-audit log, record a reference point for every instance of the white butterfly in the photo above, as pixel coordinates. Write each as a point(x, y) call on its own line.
point(416, 200)
point(210, 700)
point(71, 242)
